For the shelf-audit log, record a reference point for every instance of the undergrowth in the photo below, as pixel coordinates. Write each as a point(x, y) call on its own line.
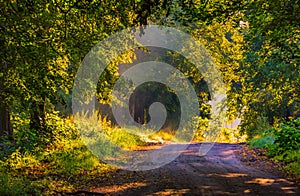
point(62, 165)
point(283, 145)
point(42, 172)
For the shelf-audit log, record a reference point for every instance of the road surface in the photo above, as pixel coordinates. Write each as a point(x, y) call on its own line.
point(220, 172)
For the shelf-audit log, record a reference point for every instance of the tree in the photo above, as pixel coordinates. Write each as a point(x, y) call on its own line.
point(271, 69)
point(43, 46)
point(45, 42)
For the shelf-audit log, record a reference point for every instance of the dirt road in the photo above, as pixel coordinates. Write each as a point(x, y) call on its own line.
point(218, 173)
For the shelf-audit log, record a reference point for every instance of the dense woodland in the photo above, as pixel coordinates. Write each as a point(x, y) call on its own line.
point(254, 43)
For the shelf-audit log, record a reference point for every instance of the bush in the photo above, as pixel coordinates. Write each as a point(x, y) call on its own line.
point(56, 129)
point(292, 160)
point(286, 146)
point(42, 171)
point(262, 142)
point(283, 145)
point(287, 138)
point(17, 185)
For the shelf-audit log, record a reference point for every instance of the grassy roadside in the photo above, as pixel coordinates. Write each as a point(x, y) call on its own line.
point(282, 145)
point(64, 165)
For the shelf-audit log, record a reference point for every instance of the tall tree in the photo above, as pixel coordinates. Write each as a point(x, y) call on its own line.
point(271, 70)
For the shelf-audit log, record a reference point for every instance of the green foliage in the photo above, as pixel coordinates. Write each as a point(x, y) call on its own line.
point(101, 130)
point(43, 44)
point(287, 138)
point(57, 128)
point(283, 144)
point(17, 185)
point(70, 158)
point(162, 136)
point(271, 67)
point(124, 139)
point(35, 173)
point(256, 126)
point(18, 160)
point(231, 135)
point(263, 142)
point(291, 158)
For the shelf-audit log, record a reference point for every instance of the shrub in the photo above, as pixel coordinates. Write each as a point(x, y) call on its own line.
point(262, 142)
point(287, 138)
point(17, 185)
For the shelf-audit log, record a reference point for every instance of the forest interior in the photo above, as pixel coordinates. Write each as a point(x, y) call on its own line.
point(149, 97)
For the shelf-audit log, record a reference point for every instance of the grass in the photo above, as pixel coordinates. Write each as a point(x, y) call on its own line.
point(125, 139)
point(230, 135)
point(282, 146)
point(291, 159)
point(65, 165)
point(162, 136)
point(17, 185)
point(262, 142)
point(41, 172)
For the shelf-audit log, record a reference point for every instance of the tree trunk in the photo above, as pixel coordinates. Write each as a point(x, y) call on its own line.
point(38, 119)
point(5, 123)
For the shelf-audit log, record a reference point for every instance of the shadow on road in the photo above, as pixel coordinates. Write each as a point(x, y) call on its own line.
point(217, 173)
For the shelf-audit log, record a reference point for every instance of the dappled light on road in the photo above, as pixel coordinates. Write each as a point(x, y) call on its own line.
point(218, 173)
